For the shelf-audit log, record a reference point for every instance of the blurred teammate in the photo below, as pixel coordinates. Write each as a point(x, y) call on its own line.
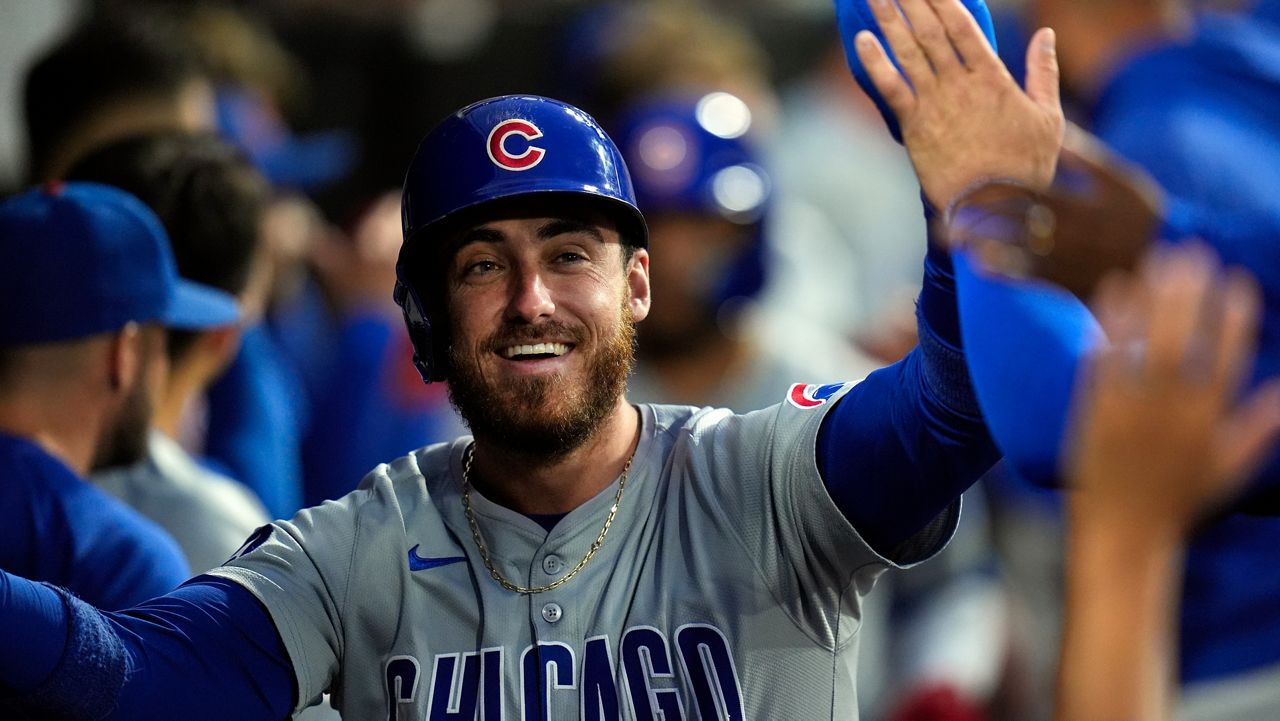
point(1191, 97)
point(1201, 138)
point(706, 199)
point(88, 277)
point(1159, 441)
point(211, 202)
point(117, 75)
point(833, 159)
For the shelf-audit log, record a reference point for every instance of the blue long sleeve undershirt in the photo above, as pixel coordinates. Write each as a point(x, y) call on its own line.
point(207, 650)
point(904, 444)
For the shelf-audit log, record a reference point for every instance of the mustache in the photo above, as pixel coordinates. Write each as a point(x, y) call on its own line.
point(521, 334)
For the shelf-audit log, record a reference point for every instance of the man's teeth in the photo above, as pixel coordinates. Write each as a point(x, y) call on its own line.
point(556, 349)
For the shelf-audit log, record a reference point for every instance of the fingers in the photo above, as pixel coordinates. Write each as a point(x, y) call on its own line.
point(930, 35)
point(1042, 71)
point(1238, 335)
point(902, 41)
point(964, 34)
point(888, 81)
point(1180, 282)
point(1119, 307)
point(1121, 304)
point(1249, 434)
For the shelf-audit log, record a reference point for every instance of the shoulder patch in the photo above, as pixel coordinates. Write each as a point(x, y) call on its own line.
point(807, 395)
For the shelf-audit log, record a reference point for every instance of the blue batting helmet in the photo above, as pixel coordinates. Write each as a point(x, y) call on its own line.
point(501, 148)
point(695, 155)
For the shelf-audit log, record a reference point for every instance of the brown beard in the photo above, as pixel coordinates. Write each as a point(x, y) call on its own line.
point(124, 443)
point(515, 415)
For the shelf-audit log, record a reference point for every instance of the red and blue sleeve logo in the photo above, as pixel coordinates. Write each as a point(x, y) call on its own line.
point(807, 395)
point(501, 144)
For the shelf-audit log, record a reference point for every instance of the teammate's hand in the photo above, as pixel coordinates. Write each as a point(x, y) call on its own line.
point(1158, 435)
point(1100, 215)
point(964, 119)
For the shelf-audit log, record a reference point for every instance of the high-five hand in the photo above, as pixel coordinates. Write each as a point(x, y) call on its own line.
point(964, 119)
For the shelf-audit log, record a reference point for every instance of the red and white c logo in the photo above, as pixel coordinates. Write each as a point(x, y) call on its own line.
point(497, 145)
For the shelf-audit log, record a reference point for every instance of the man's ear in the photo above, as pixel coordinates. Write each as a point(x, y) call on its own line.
point(220, 345)
point(124, 358)
point(638, 281)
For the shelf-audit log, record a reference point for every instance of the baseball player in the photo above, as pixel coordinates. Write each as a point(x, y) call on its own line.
point(88, 278)
point(577, 557)
point(210, 201)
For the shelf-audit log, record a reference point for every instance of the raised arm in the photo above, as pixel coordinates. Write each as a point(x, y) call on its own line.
point(1157, 440)
point(964, 122)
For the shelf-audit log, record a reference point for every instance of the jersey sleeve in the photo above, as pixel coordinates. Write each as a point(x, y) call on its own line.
point(300, 570)
point(332, 576)
point(302, 591)
point(762, 483)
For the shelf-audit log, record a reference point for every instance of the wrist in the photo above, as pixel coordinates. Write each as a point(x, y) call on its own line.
point(966, 194)
point(1099, 535)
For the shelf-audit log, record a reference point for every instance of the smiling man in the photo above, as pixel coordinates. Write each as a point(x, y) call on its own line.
point(577, 556)
point(552, 321)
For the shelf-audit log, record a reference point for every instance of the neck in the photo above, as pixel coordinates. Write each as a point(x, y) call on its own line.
point(530, 484)
point(184, 382)
point(694, 376)
point(69, 434)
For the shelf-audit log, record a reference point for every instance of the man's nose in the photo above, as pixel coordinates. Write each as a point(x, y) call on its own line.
point(530, 297)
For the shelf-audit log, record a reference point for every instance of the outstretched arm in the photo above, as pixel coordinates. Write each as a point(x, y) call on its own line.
point(207, 650)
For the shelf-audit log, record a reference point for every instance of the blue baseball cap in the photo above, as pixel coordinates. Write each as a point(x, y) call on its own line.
point(306, 162)
point(83, 258)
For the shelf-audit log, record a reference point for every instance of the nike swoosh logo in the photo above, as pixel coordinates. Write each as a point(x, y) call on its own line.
point(418, 563)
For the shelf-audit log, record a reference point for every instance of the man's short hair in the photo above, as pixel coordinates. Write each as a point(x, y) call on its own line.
point(111, 58)
point(206, 193)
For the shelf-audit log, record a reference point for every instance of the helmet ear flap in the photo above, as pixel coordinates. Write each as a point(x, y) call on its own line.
point(425, 356)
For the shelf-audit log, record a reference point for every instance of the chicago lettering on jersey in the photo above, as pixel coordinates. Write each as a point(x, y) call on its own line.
point(652, 676)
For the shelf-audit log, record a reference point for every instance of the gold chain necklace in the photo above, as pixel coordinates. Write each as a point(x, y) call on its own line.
point(484, 550)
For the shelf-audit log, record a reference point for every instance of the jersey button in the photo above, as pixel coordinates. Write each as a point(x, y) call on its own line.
point(552, 565)
point(552, 612)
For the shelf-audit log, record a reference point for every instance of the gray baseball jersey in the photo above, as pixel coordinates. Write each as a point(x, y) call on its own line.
point(208, 514)
point(729, 586)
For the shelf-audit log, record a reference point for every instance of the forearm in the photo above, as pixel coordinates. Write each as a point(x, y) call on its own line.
point(906, 442)
point(34, 625)
point(61, 658)
point(207, 650)
point(1121, 598)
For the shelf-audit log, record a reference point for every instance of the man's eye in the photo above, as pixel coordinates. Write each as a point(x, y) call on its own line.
point(480, 267)
point(570, 256)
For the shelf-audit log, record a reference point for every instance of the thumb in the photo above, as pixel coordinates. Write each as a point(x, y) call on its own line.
point(1042, 70)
